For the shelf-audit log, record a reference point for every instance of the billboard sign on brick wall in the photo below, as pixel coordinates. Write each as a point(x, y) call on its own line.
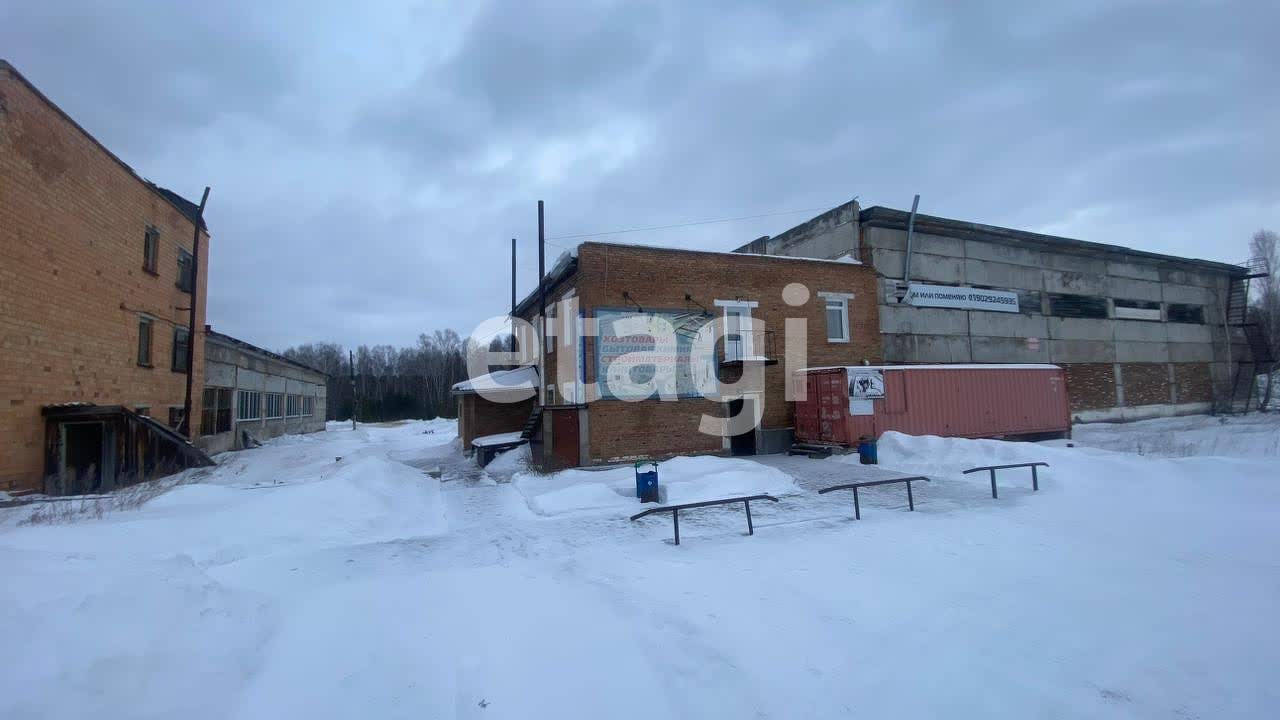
point(963, 298)
point(653, 353)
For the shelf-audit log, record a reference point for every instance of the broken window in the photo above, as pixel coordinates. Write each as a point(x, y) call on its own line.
point(144, 341)
point(151, 250)
point(1137, 310)
point(1077, 306)
point(181, 344)
point(215, 415)
point(186, 268)
point(275, 405)
point(1186, 313)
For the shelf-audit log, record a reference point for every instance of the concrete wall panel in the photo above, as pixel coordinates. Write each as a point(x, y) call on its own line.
point(1080, 328)
point(1188, 333)
point(1069, 281)
point(926, 349)
point(1003, 275)
point(1190, 352)
point(996, 252)
point(929, 267)
point(1008, 349)
point(1141, 271)
point(1140, 330)
point(1142, 352)
point(1193, 294)
point(1081, 351)
point(993, 324)
point(1130, 289)
point(924, 321)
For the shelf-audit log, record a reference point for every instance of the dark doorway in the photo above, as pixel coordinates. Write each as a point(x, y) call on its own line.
point(744, 444)
point(83, 457)
point(564, 437)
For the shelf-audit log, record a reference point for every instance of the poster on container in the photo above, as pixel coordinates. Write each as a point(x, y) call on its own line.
point(963, 298)
point(866, 384)
point(653, 353)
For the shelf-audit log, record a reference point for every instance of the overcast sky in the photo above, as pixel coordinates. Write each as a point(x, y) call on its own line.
point(369, 168)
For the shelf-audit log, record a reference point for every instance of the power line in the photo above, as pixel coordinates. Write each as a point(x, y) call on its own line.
point(687, 224)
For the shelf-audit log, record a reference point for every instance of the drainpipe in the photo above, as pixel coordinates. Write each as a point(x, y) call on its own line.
point(911, 232)
point(185, 427)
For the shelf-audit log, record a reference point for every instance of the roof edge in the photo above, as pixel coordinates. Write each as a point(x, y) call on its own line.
point(215, 335)
point(155, 189)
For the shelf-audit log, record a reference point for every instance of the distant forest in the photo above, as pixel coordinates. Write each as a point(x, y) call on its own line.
point(391, 383)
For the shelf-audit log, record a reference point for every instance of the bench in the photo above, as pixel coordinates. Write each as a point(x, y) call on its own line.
point(857, 509)
point(1035, 480)
point(675, 510)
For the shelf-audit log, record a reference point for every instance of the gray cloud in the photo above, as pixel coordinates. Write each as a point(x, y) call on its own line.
point(369, 169)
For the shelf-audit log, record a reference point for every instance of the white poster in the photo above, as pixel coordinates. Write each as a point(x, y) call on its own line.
point(865, 384)
point(965, 298)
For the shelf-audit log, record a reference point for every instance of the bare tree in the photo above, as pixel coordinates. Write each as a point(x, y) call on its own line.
point(1265, 251)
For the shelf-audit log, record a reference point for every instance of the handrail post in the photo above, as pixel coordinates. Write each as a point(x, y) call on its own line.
point(911, 503)
point(751, 530)
point(1035, 481)
point(675, 521)
point(857, 510)
point(994, 495)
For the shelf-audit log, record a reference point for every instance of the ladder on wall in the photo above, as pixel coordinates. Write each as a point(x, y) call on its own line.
point(1257, 351)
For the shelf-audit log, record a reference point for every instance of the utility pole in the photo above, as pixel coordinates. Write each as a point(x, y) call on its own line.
point(542, 308)
point(186, 428)
point(513, 281)
point(351, 360)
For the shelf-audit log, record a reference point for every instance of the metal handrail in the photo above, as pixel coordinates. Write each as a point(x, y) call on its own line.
point(675, 510)
point(1035, 479)
point(857, 508)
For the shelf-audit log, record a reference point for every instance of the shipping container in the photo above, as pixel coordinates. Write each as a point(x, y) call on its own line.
point(844, 404)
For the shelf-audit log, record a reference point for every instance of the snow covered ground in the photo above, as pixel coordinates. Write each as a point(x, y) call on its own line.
point(1141, 581)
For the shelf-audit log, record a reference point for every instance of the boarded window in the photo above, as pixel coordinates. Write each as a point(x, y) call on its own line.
point(215, 416)
point(181, 345)
point(186, 268)
point(1184, 313)
point(1137, 310)
point(1077, 306)
point(144, 341)
point(151, 250)
point(250, 405)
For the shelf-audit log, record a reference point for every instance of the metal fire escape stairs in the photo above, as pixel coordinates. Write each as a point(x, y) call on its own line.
point(1257, 351)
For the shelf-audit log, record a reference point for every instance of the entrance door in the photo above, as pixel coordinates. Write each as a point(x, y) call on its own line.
point(564, 437)
point(83, 457)
point(744, 443)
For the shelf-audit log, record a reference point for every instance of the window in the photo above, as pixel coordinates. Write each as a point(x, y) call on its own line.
point(250, 405)
point(151, 250)
point(215, 416)
point(186, 267)
point(275, 405)
point(175, 416)
point(1137, 310)
point(308, 409)
point(1184, 313)
point(144, 341)
point(1077, 306)
point(293, 405)
point(737, 329)
point(181, 344)
point(837, 312)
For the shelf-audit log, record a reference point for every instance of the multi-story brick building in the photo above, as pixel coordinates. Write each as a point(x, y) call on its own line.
point(95, 291)
point(775, 315)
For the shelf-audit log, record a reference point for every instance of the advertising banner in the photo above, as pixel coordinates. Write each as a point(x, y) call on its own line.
point(653, 354)
point(964, 298)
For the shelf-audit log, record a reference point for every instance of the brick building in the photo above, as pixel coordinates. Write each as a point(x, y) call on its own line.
point(95, 286)
point(594, 300)
point(1139, 334)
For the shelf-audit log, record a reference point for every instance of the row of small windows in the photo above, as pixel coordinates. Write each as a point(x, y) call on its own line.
point(254, 403)
point(151, 260)
point(1089, 306)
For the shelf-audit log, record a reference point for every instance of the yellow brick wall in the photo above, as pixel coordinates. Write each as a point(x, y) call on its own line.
point(72, 222)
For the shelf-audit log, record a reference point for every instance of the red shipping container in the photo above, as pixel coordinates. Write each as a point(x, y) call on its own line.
point(844, 404)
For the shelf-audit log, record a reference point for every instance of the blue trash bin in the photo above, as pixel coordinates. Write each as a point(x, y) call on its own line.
point(647, 481)
point(867, 451)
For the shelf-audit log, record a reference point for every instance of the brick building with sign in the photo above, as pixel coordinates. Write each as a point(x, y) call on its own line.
point(96, 285)
point(595, 300)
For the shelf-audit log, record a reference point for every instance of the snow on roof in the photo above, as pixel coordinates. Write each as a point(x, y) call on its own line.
point(499, 439)
point(957, 366)
point(521, 378)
